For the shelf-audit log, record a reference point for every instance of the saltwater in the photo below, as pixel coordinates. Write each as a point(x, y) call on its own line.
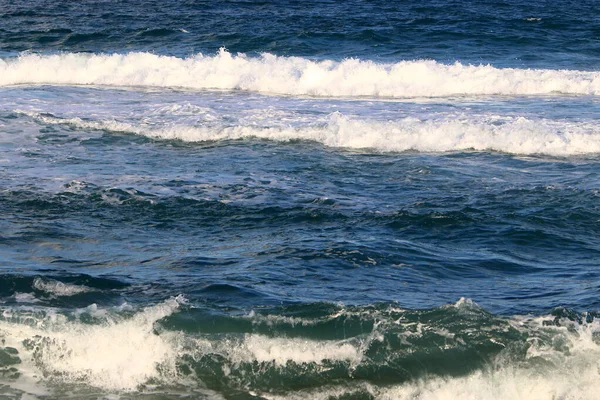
point(334, 200)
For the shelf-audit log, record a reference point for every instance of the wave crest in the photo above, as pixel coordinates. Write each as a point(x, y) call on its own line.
point(293, 75)
point(514, 135)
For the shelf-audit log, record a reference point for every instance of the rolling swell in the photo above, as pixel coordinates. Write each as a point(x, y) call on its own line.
point(118, 205)
point(324, 240)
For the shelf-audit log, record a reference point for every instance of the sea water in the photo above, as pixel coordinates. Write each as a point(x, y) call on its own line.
point(299, 199)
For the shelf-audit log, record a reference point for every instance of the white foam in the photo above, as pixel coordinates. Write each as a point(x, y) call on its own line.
point(123, 354)
point(117, 355)
point(466, 304)
point(507, 383)
point(278, 351)
point(58, 288)
point(25, 298)
point(301, 351)
point(293, 75)
point(516, 135)
point(510, 383)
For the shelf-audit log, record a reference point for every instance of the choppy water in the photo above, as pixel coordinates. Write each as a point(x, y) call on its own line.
point(290, 200)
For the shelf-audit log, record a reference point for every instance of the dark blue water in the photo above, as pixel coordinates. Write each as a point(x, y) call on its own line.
point(505, 33)
point(281, 200)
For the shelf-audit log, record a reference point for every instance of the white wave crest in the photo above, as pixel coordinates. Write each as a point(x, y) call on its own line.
point(58, 288)
point(117, 355)
point(282, 350)
point(293, 75)
point(515, 135)
point(124, 354)
point(25, 298)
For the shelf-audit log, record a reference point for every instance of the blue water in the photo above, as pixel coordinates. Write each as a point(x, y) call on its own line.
point(289, 200)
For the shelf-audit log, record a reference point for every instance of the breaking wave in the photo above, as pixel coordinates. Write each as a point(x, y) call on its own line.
point(293, 75)
point(320, 351)
point(515, 135)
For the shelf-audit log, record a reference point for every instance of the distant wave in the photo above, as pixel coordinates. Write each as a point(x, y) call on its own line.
point(516, 135)
point(293, 75)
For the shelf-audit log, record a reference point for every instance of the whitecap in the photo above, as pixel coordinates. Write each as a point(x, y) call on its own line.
point(58, 288)
point(510, 134)
point(293, 75)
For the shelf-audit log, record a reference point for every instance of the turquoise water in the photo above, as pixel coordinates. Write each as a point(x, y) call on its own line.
point(281, 200)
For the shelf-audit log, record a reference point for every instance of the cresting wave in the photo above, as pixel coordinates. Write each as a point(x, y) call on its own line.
point(308, 351)
point(515, 135)
point(118, 354)
point(293, 75)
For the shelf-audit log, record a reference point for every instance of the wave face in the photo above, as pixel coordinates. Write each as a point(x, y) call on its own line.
point(319, 350)
point(293, 75)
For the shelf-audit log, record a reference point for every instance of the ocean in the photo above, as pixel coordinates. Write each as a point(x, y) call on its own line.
point(331, 200)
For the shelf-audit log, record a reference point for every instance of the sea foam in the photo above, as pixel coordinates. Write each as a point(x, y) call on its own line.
point(515, 135)
point(269, 73)
point(124, 353)
point(57, 288)
point(117, 355)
